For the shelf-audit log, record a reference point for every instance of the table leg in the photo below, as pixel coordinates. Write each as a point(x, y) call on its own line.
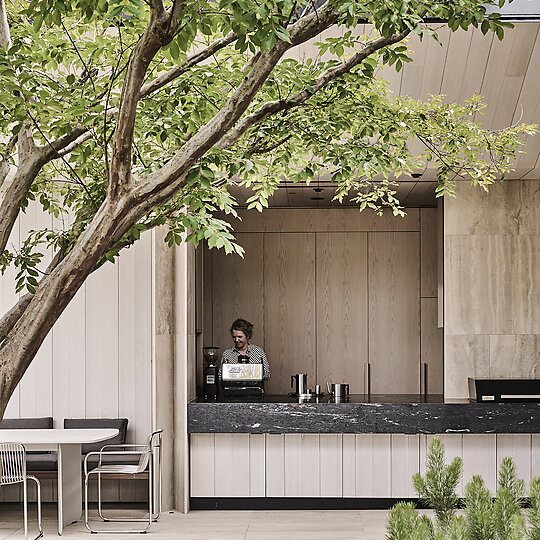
point(69, 485)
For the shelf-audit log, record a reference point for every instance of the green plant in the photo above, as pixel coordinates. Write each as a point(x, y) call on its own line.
point(484, 517)
point(438, 488)
point(534, 510)
point(404, 523)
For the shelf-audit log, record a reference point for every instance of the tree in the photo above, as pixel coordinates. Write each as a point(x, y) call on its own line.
point(123, 115)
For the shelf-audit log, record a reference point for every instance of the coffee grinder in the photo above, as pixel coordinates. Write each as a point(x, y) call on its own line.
point(210, 372)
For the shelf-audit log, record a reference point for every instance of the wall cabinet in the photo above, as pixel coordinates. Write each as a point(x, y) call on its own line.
point(328, 293)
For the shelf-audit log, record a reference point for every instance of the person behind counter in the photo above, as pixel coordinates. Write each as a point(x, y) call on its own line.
point(243, 351)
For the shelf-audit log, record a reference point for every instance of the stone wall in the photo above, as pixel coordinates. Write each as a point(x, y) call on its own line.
point(492, 283)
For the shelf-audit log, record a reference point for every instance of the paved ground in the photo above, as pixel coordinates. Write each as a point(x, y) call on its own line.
point(220, 525)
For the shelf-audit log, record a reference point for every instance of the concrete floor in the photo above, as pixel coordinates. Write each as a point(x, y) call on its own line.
point(222, 525)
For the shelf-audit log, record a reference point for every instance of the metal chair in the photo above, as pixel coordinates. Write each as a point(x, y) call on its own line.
point(13, 471)
point(149, 455)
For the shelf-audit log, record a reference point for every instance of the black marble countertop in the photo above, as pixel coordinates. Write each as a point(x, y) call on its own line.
point(408, 414)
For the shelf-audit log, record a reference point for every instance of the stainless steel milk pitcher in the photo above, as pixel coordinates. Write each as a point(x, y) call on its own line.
point(301, 383)
point(338, 390)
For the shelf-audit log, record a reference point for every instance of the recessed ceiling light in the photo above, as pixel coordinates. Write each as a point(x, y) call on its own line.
point(318, 189)
point(317, 198)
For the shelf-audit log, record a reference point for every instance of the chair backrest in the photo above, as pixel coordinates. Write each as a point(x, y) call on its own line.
point(86, 423)
point(27, 423)
point(12, 463)
point(153, 445)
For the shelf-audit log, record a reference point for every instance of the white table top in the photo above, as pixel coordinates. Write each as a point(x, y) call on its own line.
point(56, 436)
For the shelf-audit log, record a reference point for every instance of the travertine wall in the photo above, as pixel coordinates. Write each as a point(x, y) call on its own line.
point(492, 283)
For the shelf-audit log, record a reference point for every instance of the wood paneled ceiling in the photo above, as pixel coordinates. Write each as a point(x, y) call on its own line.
point(506, 73)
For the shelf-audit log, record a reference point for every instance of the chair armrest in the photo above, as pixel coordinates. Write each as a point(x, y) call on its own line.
point(122, 446)
point(112, 453)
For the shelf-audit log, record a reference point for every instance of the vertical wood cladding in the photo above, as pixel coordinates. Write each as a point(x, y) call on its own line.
point(394, 312)
point(328, 291)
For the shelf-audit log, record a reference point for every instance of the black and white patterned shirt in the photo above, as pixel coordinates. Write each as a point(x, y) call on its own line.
point(256, 356)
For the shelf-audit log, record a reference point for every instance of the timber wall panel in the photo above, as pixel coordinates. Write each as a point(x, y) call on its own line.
point(311, 283)
point(344, 465)
point(480, 457)
point(231, 463)
point(275, 465)
point(405, 463)
point(431, 345)
point(102, 343)
point(324, 220)
point(135, 342)
point(428, 252)
point(36, 387)
point(394, 312)
point(289, 307)
point(331, 465)
point(238, 290)
point(302, 471)
point(535, 455)
point(9, 298)
point(517, 446)
point(257, 473)
point(202, 471)
point(96, 361)
point(342, 308)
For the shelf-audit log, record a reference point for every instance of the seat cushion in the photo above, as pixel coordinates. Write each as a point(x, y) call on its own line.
point(87, 423)
point(42, 462)
point(45, 422)
point(117, 469)
point(113, 459)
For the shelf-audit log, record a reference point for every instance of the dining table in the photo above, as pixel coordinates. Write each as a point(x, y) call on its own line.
point(67, 443)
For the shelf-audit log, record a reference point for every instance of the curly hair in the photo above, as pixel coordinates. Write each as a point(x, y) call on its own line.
point(243, 326)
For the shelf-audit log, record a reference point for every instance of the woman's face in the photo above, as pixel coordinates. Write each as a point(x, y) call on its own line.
point(240, 340)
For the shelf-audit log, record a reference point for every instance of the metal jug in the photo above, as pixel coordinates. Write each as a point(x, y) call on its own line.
point(301, 383)
point(338, 390)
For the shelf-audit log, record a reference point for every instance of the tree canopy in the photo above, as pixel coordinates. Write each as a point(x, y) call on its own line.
point(123, 115)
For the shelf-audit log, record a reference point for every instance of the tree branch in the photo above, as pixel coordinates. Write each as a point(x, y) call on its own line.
point(196, 58)
point(273, 107)
point(160, 185)
point(5, 37)
point(4, 164)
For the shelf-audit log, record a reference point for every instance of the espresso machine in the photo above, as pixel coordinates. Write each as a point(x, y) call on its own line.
point(242, 379)
point(210, 372)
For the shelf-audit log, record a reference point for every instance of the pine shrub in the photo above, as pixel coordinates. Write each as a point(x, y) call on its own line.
point(484, 517)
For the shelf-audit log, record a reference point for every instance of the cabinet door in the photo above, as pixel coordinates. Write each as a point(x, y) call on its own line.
point(289, 307)
point(238, 290)
point(342, 300)
point(394, 312)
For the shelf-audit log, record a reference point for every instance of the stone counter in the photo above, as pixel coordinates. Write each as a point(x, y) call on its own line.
point(397, 414)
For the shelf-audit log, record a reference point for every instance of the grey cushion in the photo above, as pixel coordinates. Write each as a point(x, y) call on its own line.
point(27, 423)
point(45, 422)
point(87, 423)
point(42, 461)
point(115, 459)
